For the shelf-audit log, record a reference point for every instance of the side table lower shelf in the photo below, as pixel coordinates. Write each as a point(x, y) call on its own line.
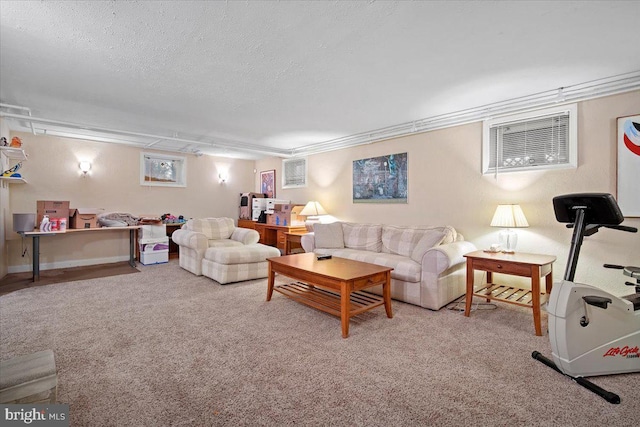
point(512, 295)
point(327, 301)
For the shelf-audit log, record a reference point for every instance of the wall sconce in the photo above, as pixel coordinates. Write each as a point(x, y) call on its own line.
point(223, 177)
point(85, 167)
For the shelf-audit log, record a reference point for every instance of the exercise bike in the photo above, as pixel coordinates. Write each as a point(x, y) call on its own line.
point(592, 332)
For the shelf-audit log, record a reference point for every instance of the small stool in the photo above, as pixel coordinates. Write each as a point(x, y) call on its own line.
point(238, 263)
point(30, 378)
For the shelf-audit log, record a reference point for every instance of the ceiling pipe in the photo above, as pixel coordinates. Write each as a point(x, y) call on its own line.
point(17, 107)
point(579, 92)
point(568, 94)
point(234, 146)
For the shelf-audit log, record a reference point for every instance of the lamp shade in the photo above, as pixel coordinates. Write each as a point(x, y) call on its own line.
point(313, 208)
point(509, 216)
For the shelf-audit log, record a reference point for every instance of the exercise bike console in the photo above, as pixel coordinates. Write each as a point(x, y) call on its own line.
point(592, 332)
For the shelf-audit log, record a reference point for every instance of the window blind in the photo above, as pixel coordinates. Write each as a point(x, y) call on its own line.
point(294, 173)
point(531, 143)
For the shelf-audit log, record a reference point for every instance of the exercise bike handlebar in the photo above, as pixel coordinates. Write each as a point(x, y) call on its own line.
point(615, 227)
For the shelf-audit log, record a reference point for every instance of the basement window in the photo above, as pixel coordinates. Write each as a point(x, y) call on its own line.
point(163, 170)
point(542, 139)
point(294, 173)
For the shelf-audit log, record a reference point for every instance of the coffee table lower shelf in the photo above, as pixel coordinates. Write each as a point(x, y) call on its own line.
point(329, 302)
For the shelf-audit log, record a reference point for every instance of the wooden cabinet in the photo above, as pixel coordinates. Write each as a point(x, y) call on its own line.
point(271, 235)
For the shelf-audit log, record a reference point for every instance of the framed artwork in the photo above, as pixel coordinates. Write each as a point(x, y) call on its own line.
point(628, 146)
point(380, 179)
point(268, 183)
point(163, 170)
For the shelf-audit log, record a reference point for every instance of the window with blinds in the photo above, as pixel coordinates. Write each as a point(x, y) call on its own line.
point(544, 139)
point(294, 173)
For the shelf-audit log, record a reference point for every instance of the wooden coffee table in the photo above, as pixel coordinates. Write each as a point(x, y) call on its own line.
point(339, 282)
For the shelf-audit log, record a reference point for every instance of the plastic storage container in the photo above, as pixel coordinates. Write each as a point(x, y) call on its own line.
point(155, 257)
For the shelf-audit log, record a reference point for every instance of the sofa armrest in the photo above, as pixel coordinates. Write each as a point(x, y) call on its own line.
point(245, 236)
point(441, 258)
point(191, 239)
point(308, 242)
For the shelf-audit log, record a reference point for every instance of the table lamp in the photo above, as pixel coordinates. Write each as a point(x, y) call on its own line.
point(508, 217)
point(312, 210)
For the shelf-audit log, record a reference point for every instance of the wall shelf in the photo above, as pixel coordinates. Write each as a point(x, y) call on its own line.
point(8, 154)
point(14, 153)
point(11, 180)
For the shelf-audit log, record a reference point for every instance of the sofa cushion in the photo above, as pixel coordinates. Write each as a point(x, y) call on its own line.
point(404, 268)
point(404, 240)
point(428, 241)
point(213, 228)
point(328, 236)
point(242, 254)
point(366, 237)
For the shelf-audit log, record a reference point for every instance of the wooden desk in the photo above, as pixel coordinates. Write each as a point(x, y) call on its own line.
point(274, 235)
point(533, 266)
point(293, 241)
point(174, 250)
point(36, 242)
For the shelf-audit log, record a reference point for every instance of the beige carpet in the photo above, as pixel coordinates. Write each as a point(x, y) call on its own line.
point(164, 347)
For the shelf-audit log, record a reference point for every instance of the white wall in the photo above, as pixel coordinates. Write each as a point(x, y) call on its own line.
point(113, 183)
point(446, 187)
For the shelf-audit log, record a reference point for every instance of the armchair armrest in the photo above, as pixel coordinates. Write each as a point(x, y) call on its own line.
point(191, 239)
point(246, 236)
point(440, 258)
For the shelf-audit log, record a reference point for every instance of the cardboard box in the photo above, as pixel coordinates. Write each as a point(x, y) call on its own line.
point(287, 215)
point(51, 208)
point(83, 218)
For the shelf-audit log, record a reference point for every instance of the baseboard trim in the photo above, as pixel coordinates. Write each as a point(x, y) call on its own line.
point(68, 264)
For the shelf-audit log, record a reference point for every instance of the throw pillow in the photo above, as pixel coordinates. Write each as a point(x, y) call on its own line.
point(328, 236)
point(365, 237)
point(213, 228)
point(428, 241)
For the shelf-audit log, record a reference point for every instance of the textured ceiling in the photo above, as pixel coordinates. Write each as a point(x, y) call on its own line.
point(275, 76)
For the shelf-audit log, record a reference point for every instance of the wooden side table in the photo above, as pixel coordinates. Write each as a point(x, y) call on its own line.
point(533, 266)
point(293, 240)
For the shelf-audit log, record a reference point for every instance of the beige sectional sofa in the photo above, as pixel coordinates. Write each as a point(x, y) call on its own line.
point(428, 262)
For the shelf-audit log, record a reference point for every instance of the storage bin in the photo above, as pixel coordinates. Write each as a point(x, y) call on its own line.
point(24, 222)
point(153, 231)
point(156, 257)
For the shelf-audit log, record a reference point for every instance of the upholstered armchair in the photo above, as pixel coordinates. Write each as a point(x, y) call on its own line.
point(198, 235)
